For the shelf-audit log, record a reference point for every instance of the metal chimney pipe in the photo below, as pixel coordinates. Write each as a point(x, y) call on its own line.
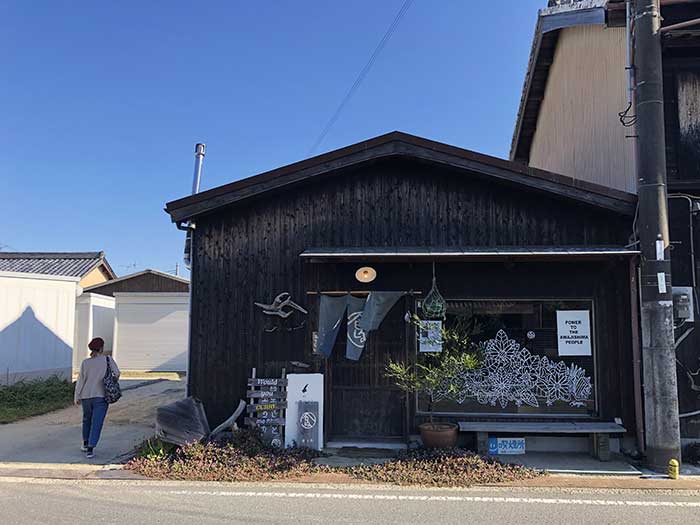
point(199, 152)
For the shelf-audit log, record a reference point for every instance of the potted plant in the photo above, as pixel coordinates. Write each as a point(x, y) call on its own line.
point(435, 378)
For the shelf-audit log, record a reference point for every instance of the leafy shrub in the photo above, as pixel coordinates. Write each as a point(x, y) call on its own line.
point(155, 449)
point(434, 375)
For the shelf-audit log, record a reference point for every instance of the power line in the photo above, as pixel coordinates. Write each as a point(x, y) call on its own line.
point(363, 73)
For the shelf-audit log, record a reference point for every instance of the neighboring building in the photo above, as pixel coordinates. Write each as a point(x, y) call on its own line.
point(576, 87)
point(94, 317)
point(37, 316)
point(142, 317)
point(144, 281)
point(575, 94)
point(91, 267)
point(151, 331)
point(49, 326)
point(509, 245)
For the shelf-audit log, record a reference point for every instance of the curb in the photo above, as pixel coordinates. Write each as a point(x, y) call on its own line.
point(58, 466)
point(107, 477)
point(67, 471)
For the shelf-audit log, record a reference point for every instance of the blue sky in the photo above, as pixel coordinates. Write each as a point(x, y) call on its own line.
point(101, 102)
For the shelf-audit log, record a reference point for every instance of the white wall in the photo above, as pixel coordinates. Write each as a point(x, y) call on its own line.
point(37, 320)
point(151, 331)
point(94, 317)
point(302, 387)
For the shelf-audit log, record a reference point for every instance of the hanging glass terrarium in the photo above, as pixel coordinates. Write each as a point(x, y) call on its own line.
point(434, 305)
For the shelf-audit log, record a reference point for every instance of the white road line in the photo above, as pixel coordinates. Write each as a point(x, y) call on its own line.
point(466, 499)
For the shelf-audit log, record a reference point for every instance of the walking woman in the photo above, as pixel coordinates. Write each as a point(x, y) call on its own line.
point(90, 393)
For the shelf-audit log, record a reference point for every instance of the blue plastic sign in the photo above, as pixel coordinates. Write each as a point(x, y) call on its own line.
point(503, 446)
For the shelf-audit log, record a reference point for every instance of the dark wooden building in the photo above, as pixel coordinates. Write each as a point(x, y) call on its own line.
point(144, 281)
point(510, 244)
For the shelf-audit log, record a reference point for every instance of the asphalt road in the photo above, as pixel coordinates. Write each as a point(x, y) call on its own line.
point(58, 501)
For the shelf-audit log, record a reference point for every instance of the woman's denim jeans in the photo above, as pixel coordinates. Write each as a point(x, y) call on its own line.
point(94, 412)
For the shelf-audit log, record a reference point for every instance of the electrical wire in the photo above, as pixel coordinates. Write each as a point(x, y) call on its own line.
point(626, 119)
point(363, 73)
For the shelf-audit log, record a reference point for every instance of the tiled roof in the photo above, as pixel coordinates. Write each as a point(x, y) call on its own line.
point(69, 264)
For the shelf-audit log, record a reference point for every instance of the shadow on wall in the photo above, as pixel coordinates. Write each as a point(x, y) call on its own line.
point(103, 326)
point(177, 363)
point(31, 350)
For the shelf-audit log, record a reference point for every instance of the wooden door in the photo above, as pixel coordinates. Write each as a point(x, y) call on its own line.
point(365, 404)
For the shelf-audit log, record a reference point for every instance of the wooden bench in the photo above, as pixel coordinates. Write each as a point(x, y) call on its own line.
point(599, 432)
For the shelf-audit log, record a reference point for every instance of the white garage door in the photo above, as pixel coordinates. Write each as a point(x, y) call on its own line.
point(151, 331)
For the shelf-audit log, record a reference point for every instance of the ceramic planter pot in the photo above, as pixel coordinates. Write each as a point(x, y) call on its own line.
point(438, 435)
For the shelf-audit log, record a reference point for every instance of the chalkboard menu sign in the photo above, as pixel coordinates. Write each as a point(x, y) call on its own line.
point(266, 409)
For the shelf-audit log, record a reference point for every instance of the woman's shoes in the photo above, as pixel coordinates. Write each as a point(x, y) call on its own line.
point(90, 453)
point(84, 447)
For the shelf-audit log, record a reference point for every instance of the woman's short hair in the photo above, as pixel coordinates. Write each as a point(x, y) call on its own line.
point(97, 344)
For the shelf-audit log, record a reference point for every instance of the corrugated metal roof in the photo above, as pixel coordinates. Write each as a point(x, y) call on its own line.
point(71, 264)
point(562, 6)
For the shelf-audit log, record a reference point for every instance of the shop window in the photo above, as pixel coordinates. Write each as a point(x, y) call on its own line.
point(537, 358)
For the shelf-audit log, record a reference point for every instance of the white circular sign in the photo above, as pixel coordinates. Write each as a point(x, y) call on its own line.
point(307, 420)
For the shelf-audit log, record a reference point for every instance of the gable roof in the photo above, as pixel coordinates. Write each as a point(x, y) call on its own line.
point(68, 264)
point(397, 144)
point(135, 275)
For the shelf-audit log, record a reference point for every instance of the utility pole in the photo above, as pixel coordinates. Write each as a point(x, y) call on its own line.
point(658, 349)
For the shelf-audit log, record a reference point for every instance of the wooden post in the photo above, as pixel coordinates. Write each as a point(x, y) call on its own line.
point(409, 335)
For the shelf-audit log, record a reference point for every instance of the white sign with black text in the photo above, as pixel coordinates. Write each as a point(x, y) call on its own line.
point(574, 332)
point(430, 336)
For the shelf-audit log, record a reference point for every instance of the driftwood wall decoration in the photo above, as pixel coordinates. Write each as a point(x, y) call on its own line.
point(282, 307)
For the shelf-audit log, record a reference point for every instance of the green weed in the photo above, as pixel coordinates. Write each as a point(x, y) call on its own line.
point(31, 398)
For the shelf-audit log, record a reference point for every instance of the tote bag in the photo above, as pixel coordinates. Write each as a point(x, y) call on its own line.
point(112, 390)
